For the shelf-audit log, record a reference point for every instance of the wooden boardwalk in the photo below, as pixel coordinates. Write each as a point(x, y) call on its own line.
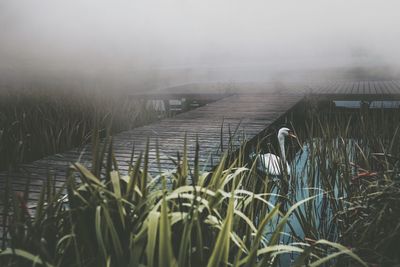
point(245, 111)
point(247, 114)
point(363, 90)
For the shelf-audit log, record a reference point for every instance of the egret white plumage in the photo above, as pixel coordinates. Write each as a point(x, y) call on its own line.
point(272, 163)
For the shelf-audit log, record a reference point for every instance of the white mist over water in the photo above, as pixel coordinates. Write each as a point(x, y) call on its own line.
point(148, 44)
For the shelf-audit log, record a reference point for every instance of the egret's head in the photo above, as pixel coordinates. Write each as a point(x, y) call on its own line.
point(283, 132)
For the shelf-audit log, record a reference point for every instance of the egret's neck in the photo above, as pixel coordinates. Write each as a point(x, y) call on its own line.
point(282, 146)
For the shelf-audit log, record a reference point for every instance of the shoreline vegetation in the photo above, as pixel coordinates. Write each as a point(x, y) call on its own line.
point(234, 215)
point(35, 123)
point(119, 221)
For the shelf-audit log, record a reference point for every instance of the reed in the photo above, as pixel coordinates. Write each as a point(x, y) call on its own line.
point(36, 123)
point(351, 159)
point(339, 207)
point(193, 219)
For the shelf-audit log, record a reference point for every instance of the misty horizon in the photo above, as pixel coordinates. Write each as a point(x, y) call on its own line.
point(160, 43)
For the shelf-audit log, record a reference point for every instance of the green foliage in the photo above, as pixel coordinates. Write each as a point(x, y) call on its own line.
point(345, 200)
point(120, 222)
point(354, 159)
point(36, 123)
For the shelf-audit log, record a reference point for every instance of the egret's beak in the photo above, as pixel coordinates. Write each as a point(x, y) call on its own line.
point(297, 139)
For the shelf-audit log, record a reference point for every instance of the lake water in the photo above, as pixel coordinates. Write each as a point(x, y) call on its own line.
point(371, 104)
point(316, 211)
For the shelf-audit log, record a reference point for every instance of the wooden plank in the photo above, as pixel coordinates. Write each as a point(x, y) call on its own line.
point(363, 87)
point(363, 90)
point(353, 88)
point(180, 96)
point(370, 89)
point(379, 88)
point(397, 85)
point(391, 86)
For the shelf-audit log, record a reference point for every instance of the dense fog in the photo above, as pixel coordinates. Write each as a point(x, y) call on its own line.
point(140, 45)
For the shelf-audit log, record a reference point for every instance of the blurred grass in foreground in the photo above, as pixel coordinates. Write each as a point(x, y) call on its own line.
point(194, 219)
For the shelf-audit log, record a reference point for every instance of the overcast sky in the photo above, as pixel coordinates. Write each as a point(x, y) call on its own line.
point(132, 34)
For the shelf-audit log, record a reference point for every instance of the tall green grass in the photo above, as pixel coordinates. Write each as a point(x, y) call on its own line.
point(340, 208)
point(193, 219)
point(35, 123)
point(351, 158)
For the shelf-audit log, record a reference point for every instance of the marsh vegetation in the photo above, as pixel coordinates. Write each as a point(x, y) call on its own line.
point(35, 123)
point(349, 160)
point(339, 207)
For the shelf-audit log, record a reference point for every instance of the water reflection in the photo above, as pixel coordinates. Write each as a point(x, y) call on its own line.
point(370, 104)
point(315, 218)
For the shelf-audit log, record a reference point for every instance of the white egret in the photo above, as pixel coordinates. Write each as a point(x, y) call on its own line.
point(272, 163)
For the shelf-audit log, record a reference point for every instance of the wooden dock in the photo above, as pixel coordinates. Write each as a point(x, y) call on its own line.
point(240, 114)
point(363, 90)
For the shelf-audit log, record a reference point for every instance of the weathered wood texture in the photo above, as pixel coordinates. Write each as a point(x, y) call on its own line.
point(362, 90)
point(241, 115)
point(351, 90)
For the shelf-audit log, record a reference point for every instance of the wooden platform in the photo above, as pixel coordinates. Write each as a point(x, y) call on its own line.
point(241, 114)
point(231, 118)
point(363, 90)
